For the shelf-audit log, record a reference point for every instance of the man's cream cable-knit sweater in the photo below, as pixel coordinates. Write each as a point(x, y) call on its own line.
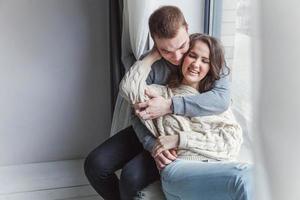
point(217, 137)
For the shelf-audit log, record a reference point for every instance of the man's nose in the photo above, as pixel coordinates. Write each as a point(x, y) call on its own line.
point(177, 56)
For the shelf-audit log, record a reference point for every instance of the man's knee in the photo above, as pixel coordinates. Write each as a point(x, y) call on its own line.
point(95, 166)
point(130, 176)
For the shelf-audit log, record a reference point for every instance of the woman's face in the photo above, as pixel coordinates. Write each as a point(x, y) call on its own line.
point(196, 65)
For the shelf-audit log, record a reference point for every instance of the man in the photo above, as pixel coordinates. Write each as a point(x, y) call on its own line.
point(130, 149)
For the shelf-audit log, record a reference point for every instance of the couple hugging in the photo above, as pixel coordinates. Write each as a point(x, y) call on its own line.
point(183, 131)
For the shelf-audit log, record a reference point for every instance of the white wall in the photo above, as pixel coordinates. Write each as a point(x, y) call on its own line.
point(54, 79)
point(228, 29)
point(193, 11)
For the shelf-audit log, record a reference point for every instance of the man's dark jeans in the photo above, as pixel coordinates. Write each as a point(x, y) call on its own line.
point(122, 151)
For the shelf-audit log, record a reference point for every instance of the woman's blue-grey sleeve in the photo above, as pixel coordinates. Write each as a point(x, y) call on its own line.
point(211, 102)
point(143, 134)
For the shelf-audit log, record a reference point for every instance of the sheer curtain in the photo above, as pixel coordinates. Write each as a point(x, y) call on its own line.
point(134, 43)
point(277, 95)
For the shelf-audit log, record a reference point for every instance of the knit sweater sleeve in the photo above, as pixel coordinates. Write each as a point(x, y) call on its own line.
point(133, 85)
point(221, 141)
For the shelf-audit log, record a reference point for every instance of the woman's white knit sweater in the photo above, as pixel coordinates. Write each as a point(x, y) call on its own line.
point(216, 137)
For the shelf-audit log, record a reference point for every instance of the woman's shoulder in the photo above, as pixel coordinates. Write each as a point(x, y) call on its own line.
point(182, 90)
point(161, 90)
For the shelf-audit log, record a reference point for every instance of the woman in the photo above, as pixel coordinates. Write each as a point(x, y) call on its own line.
point(206, 146)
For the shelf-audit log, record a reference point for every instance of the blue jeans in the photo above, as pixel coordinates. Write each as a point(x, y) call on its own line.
point(122, 151)
point(196, 180)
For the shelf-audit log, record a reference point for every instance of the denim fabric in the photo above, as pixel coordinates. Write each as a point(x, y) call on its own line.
point(196, 180)
point(122, 151)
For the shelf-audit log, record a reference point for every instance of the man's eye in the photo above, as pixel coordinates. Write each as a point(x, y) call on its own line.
point(182, 47)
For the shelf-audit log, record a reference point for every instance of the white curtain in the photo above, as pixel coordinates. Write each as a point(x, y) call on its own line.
point(135, 38)
point(134, 43)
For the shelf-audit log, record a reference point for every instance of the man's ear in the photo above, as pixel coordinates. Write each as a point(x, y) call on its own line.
point(155, 46)
point(187, 28)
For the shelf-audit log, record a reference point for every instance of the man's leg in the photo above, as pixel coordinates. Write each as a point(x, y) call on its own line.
point(137, 174)
point(113, 154)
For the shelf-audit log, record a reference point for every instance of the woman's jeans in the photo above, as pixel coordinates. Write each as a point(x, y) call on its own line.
point(122, 151)
point(197, 180)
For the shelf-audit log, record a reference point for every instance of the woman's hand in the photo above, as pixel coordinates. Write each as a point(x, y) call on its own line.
point(152, 56)
point(165, 158)
point(165, 143)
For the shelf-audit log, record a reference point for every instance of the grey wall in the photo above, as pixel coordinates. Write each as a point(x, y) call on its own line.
point(54, 79)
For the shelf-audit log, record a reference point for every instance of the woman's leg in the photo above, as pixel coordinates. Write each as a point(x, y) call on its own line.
point(188, 180)
point(102, 163)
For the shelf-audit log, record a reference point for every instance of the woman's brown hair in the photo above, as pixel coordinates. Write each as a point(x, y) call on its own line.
point(216, 64)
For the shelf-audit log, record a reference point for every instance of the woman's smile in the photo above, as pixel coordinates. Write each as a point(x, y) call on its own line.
point(193, 71)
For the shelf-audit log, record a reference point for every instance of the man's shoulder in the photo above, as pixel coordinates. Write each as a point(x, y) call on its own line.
point(160, 64)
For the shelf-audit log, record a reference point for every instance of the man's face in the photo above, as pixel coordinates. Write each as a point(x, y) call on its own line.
point(173, 49)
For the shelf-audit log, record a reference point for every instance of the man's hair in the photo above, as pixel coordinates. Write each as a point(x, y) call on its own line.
point(166, 21)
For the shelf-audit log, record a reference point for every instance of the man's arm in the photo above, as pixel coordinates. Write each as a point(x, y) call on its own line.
point(211, 102)
point(215, 101)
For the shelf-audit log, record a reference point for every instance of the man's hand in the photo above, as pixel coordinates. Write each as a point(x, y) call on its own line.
point(165, 158)
point(165, 143)
point(155, 107)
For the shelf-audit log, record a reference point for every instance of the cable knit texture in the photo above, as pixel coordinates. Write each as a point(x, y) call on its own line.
point(216, 137)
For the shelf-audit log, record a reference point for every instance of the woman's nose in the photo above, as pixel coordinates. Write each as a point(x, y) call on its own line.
point(196, 63)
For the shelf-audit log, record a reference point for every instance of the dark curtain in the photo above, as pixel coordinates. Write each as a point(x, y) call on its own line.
point(207, 5)
point(213, 17)
point(115, 34)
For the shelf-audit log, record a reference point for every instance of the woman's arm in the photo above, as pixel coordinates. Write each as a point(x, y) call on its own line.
point(133, 84)
point(222, 145)
point(222, 141)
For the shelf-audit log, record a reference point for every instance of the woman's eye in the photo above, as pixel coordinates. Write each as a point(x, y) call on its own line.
point(192, 55)
point(205, 61)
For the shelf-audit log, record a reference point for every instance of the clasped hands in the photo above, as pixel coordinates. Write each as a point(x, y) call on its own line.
point(164, 150)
